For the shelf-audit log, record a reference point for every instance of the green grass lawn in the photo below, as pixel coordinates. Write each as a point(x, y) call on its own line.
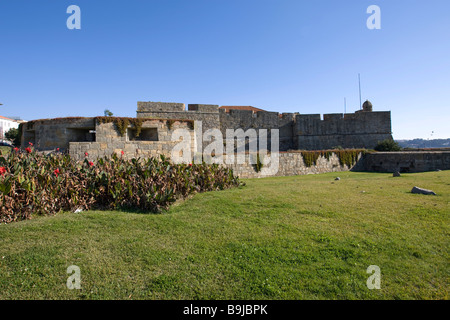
point(303, 237)
point(5, 150)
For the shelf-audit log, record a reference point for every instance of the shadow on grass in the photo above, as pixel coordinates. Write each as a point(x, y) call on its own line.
point(140, 211)
point(129, 210)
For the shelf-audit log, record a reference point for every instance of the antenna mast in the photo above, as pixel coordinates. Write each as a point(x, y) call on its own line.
point(359, 81)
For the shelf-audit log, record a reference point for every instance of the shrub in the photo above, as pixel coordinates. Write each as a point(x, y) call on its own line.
point(346, 156)
point(31, 183)
point(14, 136)
point(258, 164)
point(108, 113)
point(170, 123)
point(310, 157)
point(388, 145)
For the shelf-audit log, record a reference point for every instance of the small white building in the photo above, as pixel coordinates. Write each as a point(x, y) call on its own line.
point(6, 124)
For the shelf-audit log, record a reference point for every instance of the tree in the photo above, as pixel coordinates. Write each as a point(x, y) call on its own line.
point(14, 136)
point(388, 145)
point(108, 113)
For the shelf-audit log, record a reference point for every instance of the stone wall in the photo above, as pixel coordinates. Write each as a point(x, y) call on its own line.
point(49, 134)
point(351, 130)
point(208, 114)
point(291, 164)
point(80, 135)
point(405, 161)
point(142, 149)
point(363, 129)
point(246, 119)
point(109, 141)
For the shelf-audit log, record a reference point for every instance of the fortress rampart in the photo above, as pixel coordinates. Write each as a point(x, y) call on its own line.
point(362, 129)
point(350, 130)
point(156, 122)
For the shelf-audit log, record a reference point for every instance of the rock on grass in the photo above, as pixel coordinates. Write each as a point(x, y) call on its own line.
point(422, 191)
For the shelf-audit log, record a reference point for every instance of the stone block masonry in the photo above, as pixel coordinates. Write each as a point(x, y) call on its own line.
point(110, 141)
point(363, 129)
point(141, 149)
point(208, 114)
point(49, 134)
point(245, 119)
point(292, 164)
point(355, 130)
point(405, 161)
point(79, 135)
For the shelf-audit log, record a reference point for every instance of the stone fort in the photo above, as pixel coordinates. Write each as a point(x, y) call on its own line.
point(362, 129)
point(149, 134)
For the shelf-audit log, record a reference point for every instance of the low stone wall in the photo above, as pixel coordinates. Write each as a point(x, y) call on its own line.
point(142, 149)
point(109, 141)
point(405, 161)
point(291, 164)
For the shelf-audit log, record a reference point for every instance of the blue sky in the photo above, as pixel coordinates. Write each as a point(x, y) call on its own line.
point(278, 55)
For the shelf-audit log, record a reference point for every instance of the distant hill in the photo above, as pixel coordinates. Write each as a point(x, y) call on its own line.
point(421, 143)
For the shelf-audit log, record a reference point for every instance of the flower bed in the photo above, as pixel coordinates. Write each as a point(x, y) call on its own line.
point(31, 183)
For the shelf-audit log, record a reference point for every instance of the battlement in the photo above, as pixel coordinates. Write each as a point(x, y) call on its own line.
point(160, 107)
point(207, 108)
point(333, 117)
point(308, 117)
point(338, 123)
point(170, 107)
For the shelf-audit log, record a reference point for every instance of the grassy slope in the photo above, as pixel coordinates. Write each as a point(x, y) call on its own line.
point(304, 237)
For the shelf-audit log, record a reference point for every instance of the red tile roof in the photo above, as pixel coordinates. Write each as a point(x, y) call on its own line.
point(4, 118)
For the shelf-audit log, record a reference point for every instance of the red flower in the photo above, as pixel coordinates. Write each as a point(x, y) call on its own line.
point(28, 150)
point(86, 154)
point(2, 170)
point(190, 164)
point(16, 149)
point(91, 163)
point(122, 152)
point(57, 149)
point(30, 143)
point(56, 172)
